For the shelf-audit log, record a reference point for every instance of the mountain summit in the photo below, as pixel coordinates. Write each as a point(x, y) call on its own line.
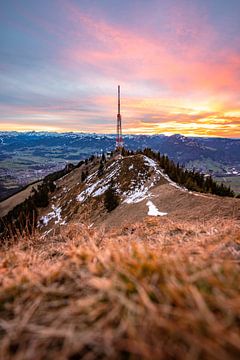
point(142, 188)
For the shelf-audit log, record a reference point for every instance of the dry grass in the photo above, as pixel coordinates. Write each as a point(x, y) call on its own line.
point(156, 290)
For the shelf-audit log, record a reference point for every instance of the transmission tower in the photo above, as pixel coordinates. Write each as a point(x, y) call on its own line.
point(119, 139)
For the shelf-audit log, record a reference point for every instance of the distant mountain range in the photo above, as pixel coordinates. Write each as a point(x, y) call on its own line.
point(178, 147)
point(28, 156)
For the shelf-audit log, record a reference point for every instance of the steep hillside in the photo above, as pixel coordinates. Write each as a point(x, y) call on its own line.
point(156, 278)
point(18, 198)
point(143, 190)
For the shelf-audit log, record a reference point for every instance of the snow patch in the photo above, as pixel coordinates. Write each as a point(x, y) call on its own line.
point(153, 210)
point(140, 191)
point(150, 162)
point(101, 190)
point(55, 214)
point(137, 195)
point(153, 164)
point(99, 187)
point(81, 197)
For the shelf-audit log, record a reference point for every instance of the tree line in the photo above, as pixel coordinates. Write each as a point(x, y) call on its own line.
point(190, 179)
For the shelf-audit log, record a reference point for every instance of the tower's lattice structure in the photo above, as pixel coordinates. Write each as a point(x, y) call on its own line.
point(119, 140)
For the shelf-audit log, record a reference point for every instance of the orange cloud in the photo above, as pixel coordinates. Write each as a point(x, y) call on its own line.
point(150, 115)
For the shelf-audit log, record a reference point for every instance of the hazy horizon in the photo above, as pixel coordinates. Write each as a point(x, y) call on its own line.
point(114, 133)
point(237, 136)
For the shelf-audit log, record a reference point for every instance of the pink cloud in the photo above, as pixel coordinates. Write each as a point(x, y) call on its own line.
point(179, 66)
point(179, 59)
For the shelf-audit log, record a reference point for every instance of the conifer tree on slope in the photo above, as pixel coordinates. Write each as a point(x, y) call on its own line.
point(111, 199)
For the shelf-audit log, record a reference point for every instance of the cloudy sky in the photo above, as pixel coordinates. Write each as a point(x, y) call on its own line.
point(177, 61)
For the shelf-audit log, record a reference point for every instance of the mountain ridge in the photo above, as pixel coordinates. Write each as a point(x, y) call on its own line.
point(144, 182)
point(140, 184)
point(44, 153)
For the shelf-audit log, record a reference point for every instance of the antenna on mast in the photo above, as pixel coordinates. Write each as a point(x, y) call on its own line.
point(119, 140)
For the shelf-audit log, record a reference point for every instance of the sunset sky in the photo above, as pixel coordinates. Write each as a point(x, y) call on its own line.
point(177, 61)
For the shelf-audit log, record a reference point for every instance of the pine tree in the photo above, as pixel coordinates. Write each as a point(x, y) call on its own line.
point(111, 199)
point(123, 152)
point(83, 176)
point(100, 169)
point(51, 186)
point(103, 158)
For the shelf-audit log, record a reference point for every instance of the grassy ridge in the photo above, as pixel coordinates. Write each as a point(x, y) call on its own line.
point(155, 290)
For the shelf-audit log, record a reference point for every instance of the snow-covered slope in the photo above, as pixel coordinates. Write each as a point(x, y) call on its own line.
point(142, 187)
point(132, 176)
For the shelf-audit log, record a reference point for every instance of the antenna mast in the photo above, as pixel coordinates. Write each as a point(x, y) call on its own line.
point(119, 140)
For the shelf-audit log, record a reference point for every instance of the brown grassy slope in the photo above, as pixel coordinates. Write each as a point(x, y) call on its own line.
point(179, 205)
point(155, 290)
point(130, 172)
point(8, 204)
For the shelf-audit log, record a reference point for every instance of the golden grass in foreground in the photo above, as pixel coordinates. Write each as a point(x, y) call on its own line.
point(157, 290)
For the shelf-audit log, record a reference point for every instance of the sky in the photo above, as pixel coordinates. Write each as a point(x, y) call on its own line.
point(177, 62)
